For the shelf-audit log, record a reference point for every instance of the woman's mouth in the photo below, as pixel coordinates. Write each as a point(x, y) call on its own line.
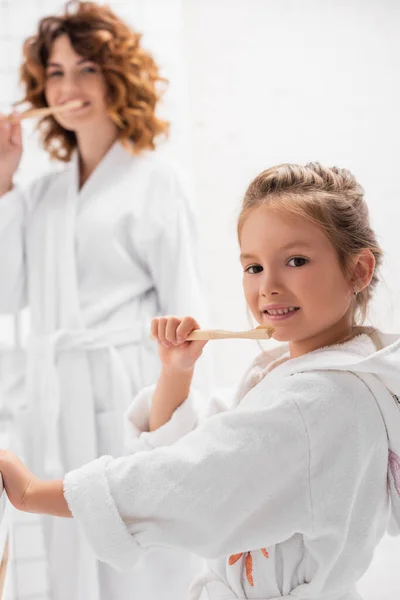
point(279, 314)
point(83, 104)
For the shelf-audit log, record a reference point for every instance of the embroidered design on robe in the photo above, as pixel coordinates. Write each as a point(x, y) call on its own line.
point(394, 465)
point(248, 562)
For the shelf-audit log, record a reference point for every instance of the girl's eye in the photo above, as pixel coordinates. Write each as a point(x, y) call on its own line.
point(254, 269)
point(54, 74)
point(298, 261)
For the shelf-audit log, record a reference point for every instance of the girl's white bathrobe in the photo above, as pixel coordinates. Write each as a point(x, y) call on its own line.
point(95, 265)
point(286, 494)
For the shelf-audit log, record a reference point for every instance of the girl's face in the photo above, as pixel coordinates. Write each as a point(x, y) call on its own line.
point(290, 266)
point(72, 77)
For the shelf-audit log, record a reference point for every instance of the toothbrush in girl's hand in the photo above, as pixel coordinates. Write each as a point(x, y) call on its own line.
point(262, 332)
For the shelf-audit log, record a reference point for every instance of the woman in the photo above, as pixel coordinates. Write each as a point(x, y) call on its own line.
point(95, 250)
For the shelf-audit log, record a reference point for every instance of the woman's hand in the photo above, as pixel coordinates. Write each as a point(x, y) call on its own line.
point(10, 150)
point(175, 352)
point(19, 482)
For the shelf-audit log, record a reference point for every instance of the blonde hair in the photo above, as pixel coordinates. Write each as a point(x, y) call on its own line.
point(330, 198)
point(131, 74)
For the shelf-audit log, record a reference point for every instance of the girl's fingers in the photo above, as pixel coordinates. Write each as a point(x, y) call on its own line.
point(154, 328)
point(186, 326)
point(162, 325)
point(171, 328)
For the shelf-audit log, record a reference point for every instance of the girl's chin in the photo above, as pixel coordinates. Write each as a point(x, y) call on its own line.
point(281, 337)
point(281, 334)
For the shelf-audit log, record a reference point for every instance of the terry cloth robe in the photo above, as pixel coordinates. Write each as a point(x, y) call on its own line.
point(285, 495)
point(95, 265)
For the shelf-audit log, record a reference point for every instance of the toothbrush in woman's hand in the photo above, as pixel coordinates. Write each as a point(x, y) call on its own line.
point(46, 111)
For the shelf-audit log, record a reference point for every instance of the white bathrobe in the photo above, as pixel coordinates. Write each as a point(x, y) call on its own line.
point(95, 266)
point(286, 494)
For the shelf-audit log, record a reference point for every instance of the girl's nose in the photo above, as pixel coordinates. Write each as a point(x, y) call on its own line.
point(269, 284)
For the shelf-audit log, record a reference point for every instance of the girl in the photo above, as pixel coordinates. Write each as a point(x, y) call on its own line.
point(288, 492)
point(96, 250)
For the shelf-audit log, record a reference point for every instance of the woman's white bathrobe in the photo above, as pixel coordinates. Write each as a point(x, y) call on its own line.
point(291, 481)
point(95, 265)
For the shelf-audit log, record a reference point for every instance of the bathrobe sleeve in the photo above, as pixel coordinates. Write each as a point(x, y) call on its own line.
point(239, 481)
point(12, 252)
point(15, 209)
point(184, 419)
point(195, 409)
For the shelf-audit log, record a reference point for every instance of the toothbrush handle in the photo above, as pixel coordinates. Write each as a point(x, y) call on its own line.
point(260, 333)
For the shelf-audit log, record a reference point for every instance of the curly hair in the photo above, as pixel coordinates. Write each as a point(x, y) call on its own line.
point(328, 197)
point(131, 75)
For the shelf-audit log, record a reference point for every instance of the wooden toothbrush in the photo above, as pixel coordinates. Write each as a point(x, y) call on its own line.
point(262, 332)
point(47, 110)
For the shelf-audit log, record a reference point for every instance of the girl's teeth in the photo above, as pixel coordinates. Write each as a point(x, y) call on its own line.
point(282, 311)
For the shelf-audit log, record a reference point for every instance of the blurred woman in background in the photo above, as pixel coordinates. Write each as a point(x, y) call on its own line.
point(95, 251)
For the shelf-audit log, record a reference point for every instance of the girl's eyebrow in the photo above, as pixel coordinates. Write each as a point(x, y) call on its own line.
point(247, 257)
point(297, 243)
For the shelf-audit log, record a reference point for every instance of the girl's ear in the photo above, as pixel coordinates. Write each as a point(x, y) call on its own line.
point(363, 269)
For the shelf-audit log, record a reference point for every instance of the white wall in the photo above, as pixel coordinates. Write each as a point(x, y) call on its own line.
point(291, 81)
point(286, 81)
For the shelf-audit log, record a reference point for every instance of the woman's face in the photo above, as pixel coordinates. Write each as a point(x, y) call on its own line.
point(72, 77)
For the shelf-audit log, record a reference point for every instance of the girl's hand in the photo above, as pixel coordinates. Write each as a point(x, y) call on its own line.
point(174, 350)
point(29, 493)
point(19, 482)
point(10, 150)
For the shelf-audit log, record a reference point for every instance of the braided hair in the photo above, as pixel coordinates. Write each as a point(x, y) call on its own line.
point(330, 198)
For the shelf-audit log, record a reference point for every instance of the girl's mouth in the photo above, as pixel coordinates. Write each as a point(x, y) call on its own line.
point(281, 313)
